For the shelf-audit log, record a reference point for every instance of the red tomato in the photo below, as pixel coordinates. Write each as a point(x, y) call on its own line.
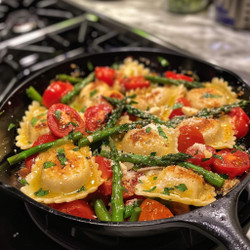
point(62, 119)
point(107, 174)
point(55, 91)
point(178, 111)
point(234, 163)
point(77, 208)
point(153, 210)
point(105, 74)
point(117, 95)
point(135, 82)
point(95, 116)
point(40, 140)
point(189, 135)
point(172, 75)
point(199, 158)
point(240, 121)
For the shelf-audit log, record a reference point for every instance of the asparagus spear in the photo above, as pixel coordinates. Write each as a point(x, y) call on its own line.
point(77, 88)
point(34, 95)
point(71, 79)
point(99, 135)
point(147, 160)
point(170, 159)
point(169, 81)
point(43, 147)
point(101, 211)
point(135, 214)
point(117, 189)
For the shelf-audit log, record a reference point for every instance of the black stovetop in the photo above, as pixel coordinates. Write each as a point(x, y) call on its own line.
point(35, 35)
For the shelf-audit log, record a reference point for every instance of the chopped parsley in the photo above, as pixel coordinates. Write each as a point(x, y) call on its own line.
point(58, 114)
point(61, 156)
point(155, 178)
point(218, 157)
point(148, 130)
point(73, 123)
point(153, 154)
point(177, 106)
point(48, 164)
point(133, 102)
point(167, 189)
point(224, 176)
point(76, 149)
point(150, 190)
point(125, 189)
point(182, 187)
point(238, 147)
point(42, 114)
point(161, 132)
point(196, 152)
point(11, 126)
point(91, 94)
point(83, 109)
point(90, 66)
point(41, 192)
point(209, 95)
point(164, 62)
point(141, 181)
point(147, 109)
point(43, 120)
point(81, 189)
point(33, 121)
point(205, 159)
point(23, 181)
point(132, 96)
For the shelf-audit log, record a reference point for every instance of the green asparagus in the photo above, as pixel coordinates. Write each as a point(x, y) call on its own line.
point(101, 211)
point(77, 88)
point(135, 214)
point(34, 95)
point(68, 78)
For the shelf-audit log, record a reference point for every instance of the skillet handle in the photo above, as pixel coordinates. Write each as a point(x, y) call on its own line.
point(220, 221)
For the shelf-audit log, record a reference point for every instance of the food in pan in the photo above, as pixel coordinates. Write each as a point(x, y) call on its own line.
point(127, 144)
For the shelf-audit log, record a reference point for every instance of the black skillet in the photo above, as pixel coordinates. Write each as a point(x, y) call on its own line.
point(217, 221)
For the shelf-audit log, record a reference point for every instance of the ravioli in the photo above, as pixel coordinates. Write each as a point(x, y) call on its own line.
point(217, 133)
point(33, 125)
point(168, 184)
point(146, 140)
point(73, 180)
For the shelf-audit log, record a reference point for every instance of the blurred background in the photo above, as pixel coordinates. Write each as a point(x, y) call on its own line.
point(35, 34)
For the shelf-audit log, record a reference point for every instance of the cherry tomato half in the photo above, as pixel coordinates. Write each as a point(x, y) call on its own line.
point(40, 140)
point(55, 91)
point(62, 119)
point(178, 111)
point(234, 163)
point(77, 208)
point(135, 82)
point(189, 135)
point(105, 74)
point(240, 121)
point(107, 175)
point(153, 210)
point(172, 75)
point(95, 116)
point(200, 154)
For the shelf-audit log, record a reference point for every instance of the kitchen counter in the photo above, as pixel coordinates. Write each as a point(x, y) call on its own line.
point(198, 34)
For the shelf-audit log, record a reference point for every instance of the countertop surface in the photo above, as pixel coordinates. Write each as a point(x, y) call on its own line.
point(198, 33)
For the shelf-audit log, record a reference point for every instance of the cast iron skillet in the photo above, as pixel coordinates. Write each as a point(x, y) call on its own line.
point(218, 220)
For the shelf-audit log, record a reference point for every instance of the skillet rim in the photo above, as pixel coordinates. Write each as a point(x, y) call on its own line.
point(178, 218)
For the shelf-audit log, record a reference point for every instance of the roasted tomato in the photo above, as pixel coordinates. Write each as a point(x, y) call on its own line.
point(96, 116)
point(77, 208)
point(182, 101)
point(55, 91)
point(63, 119)
point(189, 135)
point(107, 174)
point(153, 210)
point(202, 155)
point(240, 121)
point(135, 82)
point(231, 162)
point(172, 75)
point(41, 140)
point(105, 74)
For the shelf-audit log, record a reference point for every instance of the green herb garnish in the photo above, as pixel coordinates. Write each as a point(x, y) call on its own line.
point(41, 192)
point(182, 187)
point(153, 154)
point(58, 114)
point(75, 149)
point(48, 164)
point(154, 178)
point(61, 156)
point(205, 159)
point(177, 106)
point(148, 130)
point(23, 181)
point(141, 181)
point(91, 94)
point(224, 176)
point(90, 66)
point(167, 189)
point(11, 126)
point(218, 157)
point(125, 189)
point(83, 109)
point(150, 190)
point(81, 189)
point(33, 121)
